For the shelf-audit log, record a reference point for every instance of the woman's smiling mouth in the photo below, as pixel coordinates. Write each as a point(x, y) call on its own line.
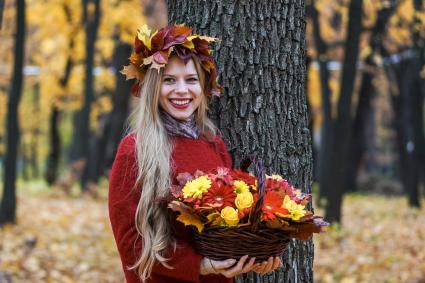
point(180, 103)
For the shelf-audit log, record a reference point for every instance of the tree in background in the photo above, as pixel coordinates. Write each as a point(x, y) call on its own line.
point(1, 11)
point(364, 110)
point(91, 18)
point(261, 65)
point(338, 132)
point(405, 50)
point(8, 201)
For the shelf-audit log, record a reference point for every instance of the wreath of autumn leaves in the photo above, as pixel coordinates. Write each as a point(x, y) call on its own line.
point(152, 50)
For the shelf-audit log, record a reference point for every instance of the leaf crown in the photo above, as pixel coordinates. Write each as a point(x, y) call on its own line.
point(152, 50)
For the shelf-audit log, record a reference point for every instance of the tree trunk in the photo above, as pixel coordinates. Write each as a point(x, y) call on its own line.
point(55, 145)
point(406, 136)
point(53, 158)
point(338, 157)
point(120, 100)
point(407, 103)
point(1, 11)
point(327, 125)
point(8, 201)
point(92, 23)
point(261, 62)
point(357, 144)
point(364, 110)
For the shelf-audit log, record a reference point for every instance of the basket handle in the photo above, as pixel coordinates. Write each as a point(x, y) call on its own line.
point(259, 172)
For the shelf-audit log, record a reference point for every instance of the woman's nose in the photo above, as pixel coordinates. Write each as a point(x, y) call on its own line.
point(181, 87)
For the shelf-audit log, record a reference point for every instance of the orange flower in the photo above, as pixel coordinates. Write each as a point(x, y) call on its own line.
point(272, 206)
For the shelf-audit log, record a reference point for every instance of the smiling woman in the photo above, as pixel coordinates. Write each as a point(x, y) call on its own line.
point(171, 134)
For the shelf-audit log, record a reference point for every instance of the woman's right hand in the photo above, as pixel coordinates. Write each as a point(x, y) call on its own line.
point(224, 267)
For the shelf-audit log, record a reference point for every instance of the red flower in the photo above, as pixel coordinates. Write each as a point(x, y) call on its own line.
point(272, 205)
point(219, 196)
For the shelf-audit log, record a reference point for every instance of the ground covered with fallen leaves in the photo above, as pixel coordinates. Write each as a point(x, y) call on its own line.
point(61, 238)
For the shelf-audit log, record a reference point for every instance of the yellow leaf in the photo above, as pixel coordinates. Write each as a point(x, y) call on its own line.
point(187, 215)
point(190, 219)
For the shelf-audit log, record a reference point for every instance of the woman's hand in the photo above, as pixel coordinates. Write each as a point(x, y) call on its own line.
point(225, 267)
point(267, 266)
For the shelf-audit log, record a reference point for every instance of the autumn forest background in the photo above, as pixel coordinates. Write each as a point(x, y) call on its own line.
point(64, 107)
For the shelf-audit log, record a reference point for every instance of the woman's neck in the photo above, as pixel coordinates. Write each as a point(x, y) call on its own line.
point(175, 127)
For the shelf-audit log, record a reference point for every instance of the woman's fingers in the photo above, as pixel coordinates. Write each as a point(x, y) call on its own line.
point(232, 272)
point(269, 265)
point(264, 267)
point(275, 264)
point(248, 267)
point(244, 266)
point(222, 264)
point(261, 267)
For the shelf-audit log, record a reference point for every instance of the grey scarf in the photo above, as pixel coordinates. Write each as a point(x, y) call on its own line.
point(174, 127)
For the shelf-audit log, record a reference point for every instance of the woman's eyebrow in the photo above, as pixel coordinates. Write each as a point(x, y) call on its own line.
point(188, 75)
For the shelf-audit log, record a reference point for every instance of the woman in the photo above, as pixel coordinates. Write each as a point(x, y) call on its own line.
point(171, 134)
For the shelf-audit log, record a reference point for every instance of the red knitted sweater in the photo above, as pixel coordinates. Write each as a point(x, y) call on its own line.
point(188, 156)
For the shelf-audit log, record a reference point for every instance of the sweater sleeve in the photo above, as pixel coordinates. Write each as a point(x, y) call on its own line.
point(123, 200)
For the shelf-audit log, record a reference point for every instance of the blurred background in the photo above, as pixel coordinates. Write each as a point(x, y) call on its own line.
point(64, 104)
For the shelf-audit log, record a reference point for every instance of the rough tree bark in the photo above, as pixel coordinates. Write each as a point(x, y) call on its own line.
point(8, 201)
point(261, 65)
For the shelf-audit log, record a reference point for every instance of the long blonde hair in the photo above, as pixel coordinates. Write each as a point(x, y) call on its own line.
point(153, 149)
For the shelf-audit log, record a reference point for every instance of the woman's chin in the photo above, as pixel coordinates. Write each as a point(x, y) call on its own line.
point(180, 115)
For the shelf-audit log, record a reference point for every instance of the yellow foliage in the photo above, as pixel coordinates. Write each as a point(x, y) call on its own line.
point(105, 80)
point(406, 11)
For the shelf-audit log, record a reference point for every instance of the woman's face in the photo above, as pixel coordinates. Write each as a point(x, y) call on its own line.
point(181, 91)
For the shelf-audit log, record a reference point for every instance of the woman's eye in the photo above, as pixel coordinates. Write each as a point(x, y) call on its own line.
point(193, 79)
point(168, 80)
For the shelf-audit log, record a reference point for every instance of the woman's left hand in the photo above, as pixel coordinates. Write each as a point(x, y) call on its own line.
point(267, 266)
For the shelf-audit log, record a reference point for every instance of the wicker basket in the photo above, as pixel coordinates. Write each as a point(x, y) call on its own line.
point(220, 243)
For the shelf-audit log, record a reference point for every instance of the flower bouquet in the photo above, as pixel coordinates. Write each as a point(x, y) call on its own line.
point(234, 213)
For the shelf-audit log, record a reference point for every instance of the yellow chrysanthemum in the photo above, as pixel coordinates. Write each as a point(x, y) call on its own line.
point(296, 211)
point(196, 187)
point(240, 187)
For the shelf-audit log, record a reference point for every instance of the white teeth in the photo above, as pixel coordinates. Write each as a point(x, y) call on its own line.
point(180, 102)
